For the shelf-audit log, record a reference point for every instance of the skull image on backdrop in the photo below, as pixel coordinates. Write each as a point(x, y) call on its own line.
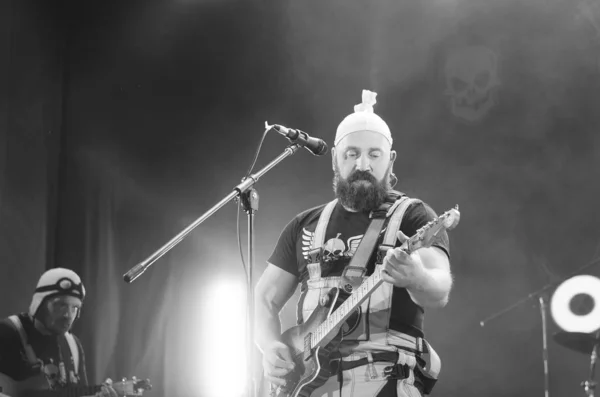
point(471, 75)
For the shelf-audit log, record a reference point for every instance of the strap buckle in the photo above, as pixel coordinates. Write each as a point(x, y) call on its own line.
point(396, 371)
point(315, 254)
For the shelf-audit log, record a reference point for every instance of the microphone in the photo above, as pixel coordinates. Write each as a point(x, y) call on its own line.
point(316, 146)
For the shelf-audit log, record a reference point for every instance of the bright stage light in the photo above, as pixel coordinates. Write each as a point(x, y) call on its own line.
point(224, 345)
point(565, 294)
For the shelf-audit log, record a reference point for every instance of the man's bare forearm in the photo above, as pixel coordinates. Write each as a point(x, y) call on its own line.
point(273, 290)
point(433, 290)
point(267, 325)
point(433, 287)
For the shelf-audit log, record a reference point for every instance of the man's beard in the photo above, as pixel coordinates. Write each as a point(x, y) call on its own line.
point(361, 191)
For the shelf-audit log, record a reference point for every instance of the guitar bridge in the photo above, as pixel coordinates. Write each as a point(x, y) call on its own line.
point(307, 346)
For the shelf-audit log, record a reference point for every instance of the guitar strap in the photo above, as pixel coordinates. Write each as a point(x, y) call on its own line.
point(397, 214)
point(352, 277)
point(74, 351)
point(353, 274)
point(30, 354)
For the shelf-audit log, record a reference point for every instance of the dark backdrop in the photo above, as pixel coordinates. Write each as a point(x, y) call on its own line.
point(493, 106)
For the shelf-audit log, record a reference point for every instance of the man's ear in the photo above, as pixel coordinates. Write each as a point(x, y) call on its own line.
point(333, 158)
point(393, 156)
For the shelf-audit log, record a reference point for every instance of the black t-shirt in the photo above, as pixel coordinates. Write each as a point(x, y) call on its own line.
point(344, 232)
point(52, 350)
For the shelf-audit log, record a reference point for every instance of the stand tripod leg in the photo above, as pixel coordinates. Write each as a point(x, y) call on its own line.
point(545, 347)
point(590, 385)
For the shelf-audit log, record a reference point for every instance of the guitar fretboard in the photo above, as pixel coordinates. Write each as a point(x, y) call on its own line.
point(344, 311)
point(71, 391)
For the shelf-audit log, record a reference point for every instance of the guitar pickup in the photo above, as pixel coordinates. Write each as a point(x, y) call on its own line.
point(354, 272)
point(352, 278)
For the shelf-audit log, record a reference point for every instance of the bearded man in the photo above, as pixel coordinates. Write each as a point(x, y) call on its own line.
point(383, 352)
point(38, 348)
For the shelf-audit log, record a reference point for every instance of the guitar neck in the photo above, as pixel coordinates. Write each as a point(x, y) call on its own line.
point(71, 391)
point(344, 311)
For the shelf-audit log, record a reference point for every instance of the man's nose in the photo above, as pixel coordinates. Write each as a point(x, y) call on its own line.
point(363, 163)
point(70, 313)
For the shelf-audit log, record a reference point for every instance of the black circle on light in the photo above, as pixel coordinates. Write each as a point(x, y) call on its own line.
point(581, 304)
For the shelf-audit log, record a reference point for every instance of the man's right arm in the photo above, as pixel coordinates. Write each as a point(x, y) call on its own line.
point(274, 288)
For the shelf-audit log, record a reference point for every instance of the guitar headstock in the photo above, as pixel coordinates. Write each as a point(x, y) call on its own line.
point(425, 236)
point(131, 387)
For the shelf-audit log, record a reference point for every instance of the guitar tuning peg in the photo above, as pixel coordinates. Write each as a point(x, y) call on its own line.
point(124, 380)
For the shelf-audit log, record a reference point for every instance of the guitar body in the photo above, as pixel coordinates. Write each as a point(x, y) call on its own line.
point(28, 387)
point(313, 372)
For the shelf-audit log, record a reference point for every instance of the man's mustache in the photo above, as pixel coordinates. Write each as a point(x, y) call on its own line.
point(361, 176)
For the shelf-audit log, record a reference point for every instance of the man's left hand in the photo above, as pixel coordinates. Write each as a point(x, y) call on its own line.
point(400, 268)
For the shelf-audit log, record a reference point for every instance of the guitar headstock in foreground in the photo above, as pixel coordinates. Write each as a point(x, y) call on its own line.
point(426, 235)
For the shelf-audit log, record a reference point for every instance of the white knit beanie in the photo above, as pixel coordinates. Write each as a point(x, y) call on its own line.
point(57, 281)
point(363, 119)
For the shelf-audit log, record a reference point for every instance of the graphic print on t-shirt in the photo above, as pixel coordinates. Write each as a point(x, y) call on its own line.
point(334, 249)
point(52, 373)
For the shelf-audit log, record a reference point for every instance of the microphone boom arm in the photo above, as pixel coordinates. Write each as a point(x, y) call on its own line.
point(246, 184)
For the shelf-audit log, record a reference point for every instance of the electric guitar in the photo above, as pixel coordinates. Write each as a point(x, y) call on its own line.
point(37, 386)
point(312, 342)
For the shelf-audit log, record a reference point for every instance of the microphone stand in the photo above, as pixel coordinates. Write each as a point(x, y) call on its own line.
point(540, 295)
point(249, 200)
